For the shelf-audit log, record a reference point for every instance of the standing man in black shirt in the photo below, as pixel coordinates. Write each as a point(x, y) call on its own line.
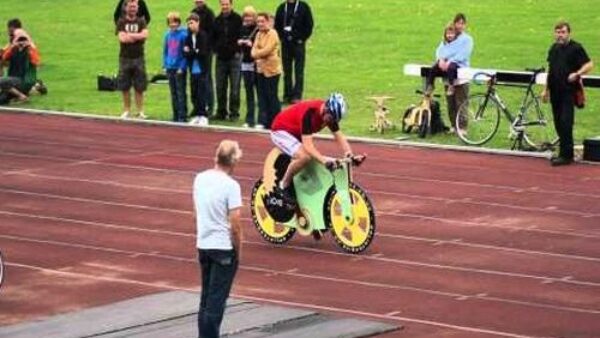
point(294, 24)
point(568, 61)
point(207, 20)
point(226, 32)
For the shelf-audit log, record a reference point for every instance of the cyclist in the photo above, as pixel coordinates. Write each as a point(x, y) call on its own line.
point(292, 132)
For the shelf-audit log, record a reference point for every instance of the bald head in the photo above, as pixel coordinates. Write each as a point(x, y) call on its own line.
point(228, 154)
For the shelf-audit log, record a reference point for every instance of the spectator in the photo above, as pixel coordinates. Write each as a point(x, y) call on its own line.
point(248, 33)
point(11, 25)
point(226, 32)
point(23, 59)
point(143, 11)
point(443, 53)
point(463, 45)
point(294, 24)
point(268, 67)
point(568, 61)
point(174, 63)
point(196, 52)
point(132, 32)
point(207, 20)
point(218, 201)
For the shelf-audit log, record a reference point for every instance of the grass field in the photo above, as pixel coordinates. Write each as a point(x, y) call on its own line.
point(358, 48)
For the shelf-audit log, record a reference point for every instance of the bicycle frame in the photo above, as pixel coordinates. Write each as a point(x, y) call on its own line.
point(516, 121)
point(313, 184)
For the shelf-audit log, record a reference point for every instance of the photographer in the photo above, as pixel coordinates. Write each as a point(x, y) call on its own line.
point(23, 59)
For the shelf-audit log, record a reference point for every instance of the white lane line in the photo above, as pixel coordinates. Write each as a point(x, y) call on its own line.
point(461, 223)
point(277, 302)
point(460, 242)
point(518, 189)
point(94, 201)
point(372, 174)
point(320, 278)
point(544, 280)
point(413, 238)
point(488, 204)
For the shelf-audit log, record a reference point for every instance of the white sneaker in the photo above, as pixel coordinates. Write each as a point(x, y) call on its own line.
point(195, 120)
point(245, 125)
point(125, 115)
point(259, 126)
point(142, 116)
point(203, 121)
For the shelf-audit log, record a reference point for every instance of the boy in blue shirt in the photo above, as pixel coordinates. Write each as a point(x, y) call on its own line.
point(175, 65)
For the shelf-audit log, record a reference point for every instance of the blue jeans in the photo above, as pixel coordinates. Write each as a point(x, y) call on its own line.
point(178, 96)
point(250, 87)
point(268, 98)
point(218, 270)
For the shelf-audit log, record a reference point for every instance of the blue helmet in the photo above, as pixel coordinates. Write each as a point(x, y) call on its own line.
point(336, 105)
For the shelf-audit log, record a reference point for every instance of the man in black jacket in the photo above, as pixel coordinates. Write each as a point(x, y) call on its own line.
point(226, 32)
point(207, 21)
point(294, 24)
point(568, 61)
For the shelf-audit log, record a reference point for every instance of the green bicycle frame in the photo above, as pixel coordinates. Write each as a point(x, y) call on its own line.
point(313, 185)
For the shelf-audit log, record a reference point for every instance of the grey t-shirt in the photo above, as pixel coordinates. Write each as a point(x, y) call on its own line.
point(215, 194)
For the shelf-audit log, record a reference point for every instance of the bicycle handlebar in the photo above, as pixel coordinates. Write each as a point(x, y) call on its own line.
point(355, 160)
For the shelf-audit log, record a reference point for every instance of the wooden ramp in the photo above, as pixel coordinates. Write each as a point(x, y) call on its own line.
point(173, 315)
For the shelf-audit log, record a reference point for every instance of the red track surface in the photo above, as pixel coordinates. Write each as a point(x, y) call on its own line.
point(468, 245)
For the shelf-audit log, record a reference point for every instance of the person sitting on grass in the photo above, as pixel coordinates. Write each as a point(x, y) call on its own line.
point(443, 54)
point(23, 59)
point(174, 63)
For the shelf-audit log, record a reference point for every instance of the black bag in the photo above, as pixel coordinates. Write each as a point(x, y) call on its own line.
point(437, 124)
point(107, 83)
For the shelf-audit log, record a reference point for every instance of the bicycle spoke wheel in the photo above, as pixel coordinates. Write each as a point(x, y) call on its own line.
point(267, 227)
point(477, 119)
point(539, 127)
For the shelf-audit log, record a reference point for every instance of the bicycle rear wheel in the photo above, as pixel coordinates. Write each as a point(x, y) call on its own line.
point(539, 127)
point(482, 119)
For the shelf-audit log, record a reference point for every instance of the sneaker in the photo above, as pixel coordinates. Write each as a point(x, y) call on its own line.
point(259, 126)
point(245, 125)
point(125, 115)
point(41, 87)
point(287, 197)
point(203, 121)
point(195, 120)
point(142, 116)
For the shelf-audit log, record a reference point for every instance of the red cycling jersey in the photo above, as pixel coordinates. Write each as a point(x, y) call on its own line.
point(303, 118)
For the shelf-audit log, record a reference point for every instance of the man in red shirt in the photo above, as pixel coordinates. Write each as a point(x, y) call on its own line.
point(293, 128)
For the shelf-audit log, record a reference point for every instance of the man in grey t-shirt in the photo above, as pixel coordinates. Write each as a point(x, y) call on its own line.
point(217, 202)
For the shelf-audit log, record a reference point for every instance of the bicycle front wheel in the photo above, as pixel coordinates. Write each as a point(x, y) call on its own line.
point(477, 119)
point(539, 127)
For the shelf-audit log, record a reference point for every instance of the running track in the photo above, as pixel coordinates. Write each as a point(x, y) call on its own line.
point(469, 245)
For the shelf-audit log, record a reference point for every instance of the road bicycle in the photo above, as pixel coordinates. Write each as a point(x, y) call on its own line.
point(327, 199)
point(530, 125)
